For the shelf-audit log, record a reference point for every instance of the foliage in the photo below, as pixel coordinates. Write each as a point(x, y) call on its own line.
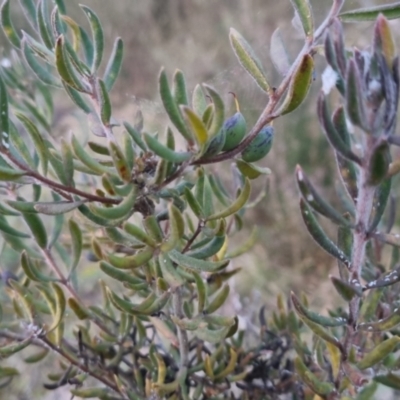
point(145, 208)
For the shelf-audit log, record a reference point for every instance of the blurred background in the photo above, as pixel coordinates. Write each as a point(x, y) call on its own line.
point(193, 35)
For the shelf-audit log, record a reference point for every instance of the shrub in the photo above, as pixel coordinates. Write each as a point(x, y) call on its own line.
point(157, 222)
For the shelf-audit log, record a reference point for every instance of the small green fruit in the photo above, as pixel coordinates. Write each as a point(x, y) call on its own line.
point(216, 144)
point(235, 129)
point(260, 146)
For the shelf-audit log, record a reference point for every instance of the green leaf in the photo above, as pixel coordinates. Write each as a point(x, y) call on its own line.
point(311, 380)
point(8, 174)
point(105, 104)
point(237, 205)
point(165, 152)
point(98, 37)
point(218, 300)
point(4, 121)
point(248, 59)
point(251, 171)
point(76, 243)
point(77, 98)
point(5, 227)
point(219, 112)
point(37, 228)
point(91, 392)
point(318, 319)
point(379, 352)
point(56, 208)
point(333, 136)
point(176, 229)
point(171, 107)
point(114, 64)
point(37, 139)
point(7, 351)
point(391, 380)
point(7, 25)
point(86, 159)
point(169, 272)
point(355, 103)
point(383, 39)
point(345, 289)
point(313, 199)
point(122, 210)
point(197, 126)
point(119, 275)
point(65, 68)
point(210, 249)
point(179, 90)
point(44, 24)
point(31, 271)
point(195, 264)
point(383, 325)
point(304, 11)
point(390, 11)
point(121, 164)
point(381, 198)
point(199, 101)
point(319, 235)
point(299, 86)
point(134, 261)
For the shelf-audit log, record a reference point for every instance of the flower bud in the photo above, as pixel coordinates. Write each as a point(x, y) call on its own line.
point(260, 146)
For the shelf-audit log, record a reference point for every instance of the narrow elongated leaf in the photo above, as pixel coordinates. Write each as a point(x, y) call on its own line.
point(251, 171)
point(376, 355)
point(218, 300)
point(195, 264)
point(105, 104)
point(4, 121)
point(210, 249)
point(218, 114)
point(37, 139)
point(312, 197)
point(131, 262)
point(9, 350)
point(319, 235)
point(390, 11)
point(56, 208)
point(248, 59)
point(179, 90)
point(98, 37)
point(197, 126)
point(304, 12)
point(165, 152)
point(171, 107)
point(383, 325)
point(176, 227)
point(86, 159)
point(169, 272)
point(77, 98)
point(391, 380)
point(299, 86)
point(382, 194)
point(321, 388)
point(7, 25)
point(65, 68)
point(345, 289)
point(199, 101)
point(315, 317)
point(114, 64)
point(236, 205)
point(332, 135)
point(355, 105)
point(37, 228)
point(8, 174)
point(118, 274)
point(5, 227)
point(59, 306)
point(44, 24)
